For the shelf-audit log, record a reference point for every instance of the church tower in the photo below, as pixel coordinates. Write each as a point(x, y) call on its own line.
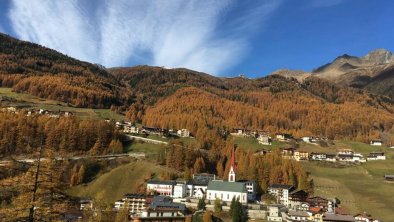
point(233, 167)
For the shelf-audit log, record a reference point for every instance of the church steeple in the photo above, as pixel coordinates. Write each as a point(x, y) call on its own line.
point(233, 167)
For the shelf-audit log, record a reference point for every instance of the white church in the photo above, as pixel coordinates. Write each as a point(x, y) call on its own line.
point(226, 190)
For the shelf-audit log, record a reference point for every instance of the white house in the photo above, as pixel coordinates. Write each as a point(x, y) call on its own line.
point(281, 192)
point(134, 202)
point(165, 188)
point(131, 129)
point(295, 215)
point(274, 213)
point(264, 139)
point(238, 132)
point(318, 156)
point(183, 133)
point(376, 143)
point(179, 190)
point(376, 156)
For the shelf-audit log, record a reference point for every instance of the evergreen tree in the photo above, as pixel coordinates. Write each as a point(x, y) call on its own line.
point(201, 204)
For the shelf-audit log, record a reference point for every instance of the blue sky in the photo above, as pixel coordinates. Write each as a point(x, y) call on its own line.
point(226, 37)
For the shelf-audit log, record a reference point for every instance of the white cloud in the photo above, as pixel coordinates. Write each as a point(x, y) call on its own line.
point(207, 35)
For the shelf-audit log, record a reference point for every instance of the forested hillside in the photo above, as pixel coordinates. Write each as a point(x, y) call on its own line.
point(180, 97)
point(43, 72)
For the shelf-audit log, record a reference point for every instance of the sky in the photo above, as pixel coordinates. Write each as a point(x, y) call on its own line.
point(223, 38)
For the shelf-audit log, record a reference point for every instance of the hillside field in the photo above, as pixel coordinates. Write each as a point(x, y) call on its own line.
point(360, 188)
point(112, 185)
point(30, 101)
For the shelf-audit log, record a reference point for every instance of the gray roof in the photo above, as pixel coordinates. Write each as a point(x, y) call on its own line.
point(338, 217)
point(178, 206)
point(298, 213)
point(219, 185)
point(171, 182)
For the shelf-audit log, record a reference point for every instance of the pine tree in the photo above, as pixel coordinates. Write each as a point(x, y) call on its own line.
point(217, 206)
point(201, 204)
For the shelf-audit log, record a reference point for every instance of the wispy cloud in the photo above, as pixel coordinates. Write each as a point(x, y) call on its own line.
point(206, 35)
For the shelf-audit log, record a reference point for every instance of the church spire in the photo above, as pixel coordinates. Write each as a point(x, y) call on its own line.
point(233, 167)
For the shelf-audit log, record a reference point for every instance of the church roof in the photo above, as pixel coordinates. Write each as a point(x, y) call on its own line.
point(219, 185)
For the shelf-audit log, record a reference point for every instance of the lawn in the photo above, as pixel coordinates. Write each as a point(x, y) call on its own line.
point(112, 185)
point(147, 148)
point(360, 188)
point(26, 100)
point(250, 143)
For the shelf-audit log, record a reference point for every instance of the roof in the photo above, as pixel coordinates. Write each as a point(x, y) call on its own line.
point(168, 206)
point(301, 192)
point(171, 182)
point(219, 185)
point(338, 217)
point(280, 186)
point(298, 213)
point(198, 182)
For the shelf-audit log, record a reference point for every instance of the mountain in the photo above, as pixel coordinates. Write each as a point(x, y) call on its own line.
point(31, 68)
point(180, 98)
point(373, 72)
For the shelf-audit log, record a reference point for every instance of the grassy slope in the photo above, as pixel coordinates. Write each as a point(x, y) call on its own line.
point(361, 188)
point(39, 103)
point(252, 144)
point(114, 184)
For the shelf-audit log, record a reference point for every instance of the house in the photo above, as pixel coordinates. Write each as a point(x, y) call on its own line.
point(165, 188)
point(264, 139)
point(295, 215)
point(364, 217)
point(162, 209)
point(183, 133)
point(376, 143)
point(319, 202)
point(281, 192)
point(288, 152)
point(330, 217)
point(251, 187)
point(239, 132)
point(180, 190)
point(315, 214)
point(376, 156)
point(85, 204)
point(197, 187)
point(296, 198)
point(131, 129)
point(389, 177)
point(350, 158)
point(318, 156)
point(331, 157)
point(345, 151)
point(153, 130)
point(301, 155)
point(310, 139)
point(135, 203)
point(274, 213)
point(283, 137)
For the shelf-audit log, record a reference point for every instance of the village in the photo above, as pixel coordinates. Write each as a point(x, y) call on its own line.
point(180, 200)
point(177, 200)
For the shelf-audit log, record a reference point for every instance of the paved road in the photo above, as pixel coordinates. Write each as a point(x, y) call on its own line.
point(147, 140)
